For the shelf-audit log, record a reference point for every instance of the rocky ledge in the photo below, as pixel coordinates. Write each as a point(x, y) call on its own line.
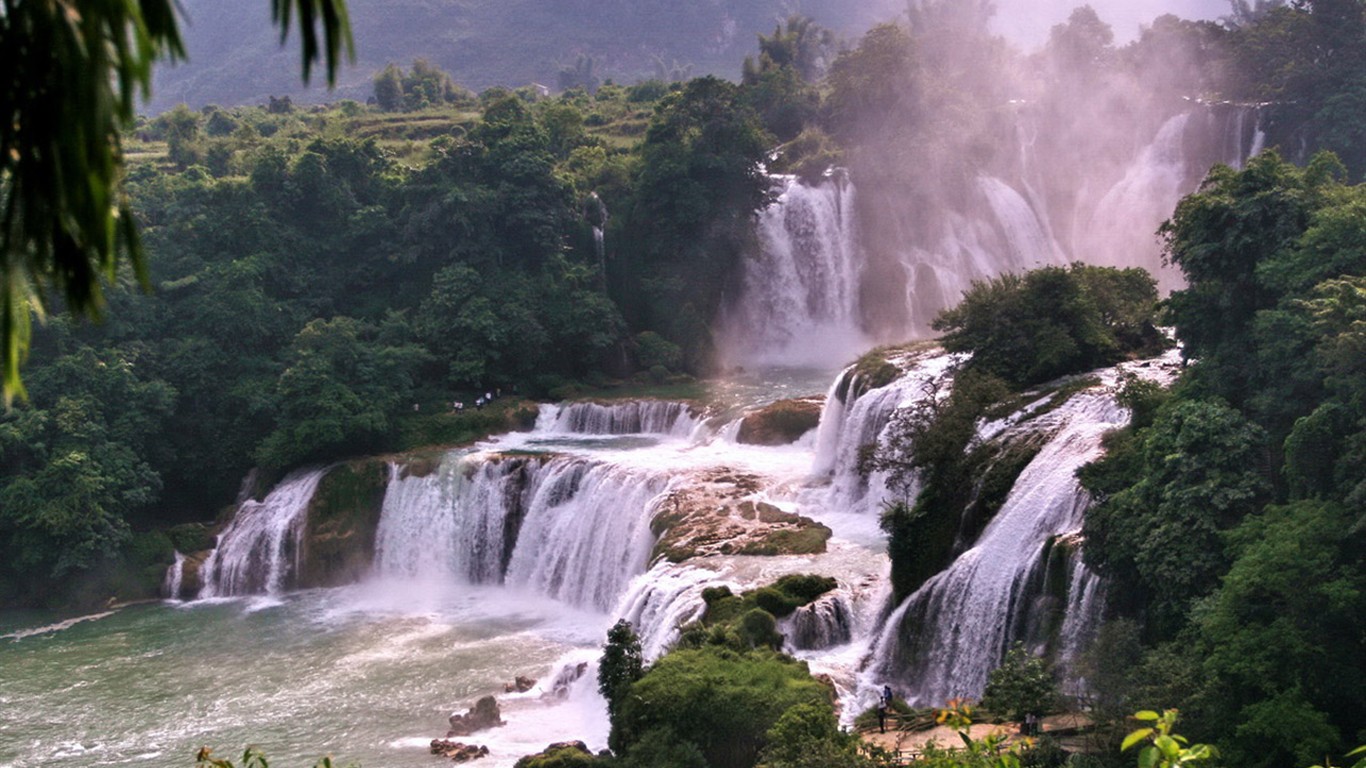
point(721, 513)
point(457, 751)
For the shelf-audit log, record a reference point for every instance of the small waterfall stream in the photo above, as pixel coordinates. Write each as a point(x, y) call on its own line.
point(258, 551)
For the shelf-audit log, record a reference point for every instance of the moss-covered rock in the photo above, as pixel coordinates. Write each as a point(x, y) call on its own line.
point(717, 513)
point(339, 540)
point(781, 423)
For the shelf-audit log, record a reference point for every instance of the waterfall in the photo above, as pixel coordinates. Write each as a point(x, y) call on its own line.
point(827, 622)
point(258, 551)
point(944, 640)
point(458, 523)
point(852, 420)
point(570, 528)
point(627, 417)
point(800, 298)
point(175, 576)
point(1027, 243)
point(1123, 224)
point(664, 600)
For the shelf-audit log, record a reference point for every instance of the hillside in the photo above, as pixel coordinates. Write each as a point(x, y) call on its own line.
point(236, 59)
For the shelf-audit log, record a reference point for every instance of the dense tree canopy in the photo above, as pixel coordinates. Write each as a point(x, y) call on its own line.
point(73, 70)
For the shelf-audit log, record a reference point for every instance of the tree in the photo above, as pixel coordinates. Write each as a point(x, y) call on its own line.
point(342, 387)
point(1163, 537)
point(72, 71)
point(1282, 639)
point(1021, 686)
point(389, 89)
point(717, 701)
point(621, 665)
point(1053, 321)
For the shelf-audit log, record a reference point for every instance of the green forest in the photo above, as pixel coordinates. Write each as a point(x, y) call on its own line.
point(328, 281)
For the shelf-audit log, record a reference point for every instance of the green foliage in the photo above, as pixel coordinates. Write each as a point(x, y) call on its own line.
point(422, 87)
point(1165, 749)
point(1281, 638)
point(716, 702)
point(1306, 60)
point(1053, 321)
point(75, 465)
point(1162, 537)
point(621, 665)
point(562, 757)
point(73, 71)
point(338, 392)
point(1251, 612)
point(699, 185)
point(868, 85)
point(1022, 685)
point(807, 736)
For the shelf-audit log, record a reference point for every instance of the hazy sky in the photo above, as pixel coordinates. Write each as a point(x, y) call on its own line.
point(1027, 21)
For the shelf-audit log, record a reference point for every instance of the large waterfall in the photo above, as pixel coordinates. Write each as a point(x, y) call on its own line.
point(835, 272)
point(1022, 579)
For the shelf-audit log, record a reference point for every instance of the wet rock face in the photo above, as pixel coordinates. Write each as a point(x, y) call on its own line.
point(781, 423)
point(343, 516)
point(482, 716)
point(720, 512)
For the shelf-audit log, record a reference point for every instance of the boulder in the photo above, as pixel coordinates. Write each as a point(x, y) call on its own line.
point(458, 751)
point(781, 423)
point(519, 685)
point(482, 716)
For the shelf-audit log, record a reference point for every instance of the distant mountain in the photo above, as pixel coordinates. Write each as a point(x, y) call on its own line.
point(235, 57)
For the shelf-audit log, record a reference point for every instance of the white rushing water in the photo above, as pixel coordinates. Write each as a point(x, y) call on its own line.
point(258, 551)
point(629, 417)
point(944, 640)
point(514, 556)
point(799, 305)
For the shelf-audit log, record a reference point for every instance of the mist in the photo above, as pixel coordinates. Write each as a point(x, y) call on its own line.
point(1027, 22)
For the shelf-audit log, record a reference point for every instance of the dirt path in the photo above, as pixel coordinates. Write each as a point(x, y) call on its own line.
point(944, 736)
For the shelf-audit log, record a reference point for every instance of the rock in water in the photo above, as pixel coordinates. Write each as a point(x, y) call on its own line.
point(483, 715)
point(460, 753)
point(519, 685)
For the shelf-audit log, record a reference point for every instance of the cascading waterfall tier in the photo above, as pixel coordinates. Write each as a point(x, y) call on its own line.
point(855, 417)
point(258, 551)
point(567, 527)
point(1020, 581)
point(175, 577)
point(800, 301)
point(627, 417)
